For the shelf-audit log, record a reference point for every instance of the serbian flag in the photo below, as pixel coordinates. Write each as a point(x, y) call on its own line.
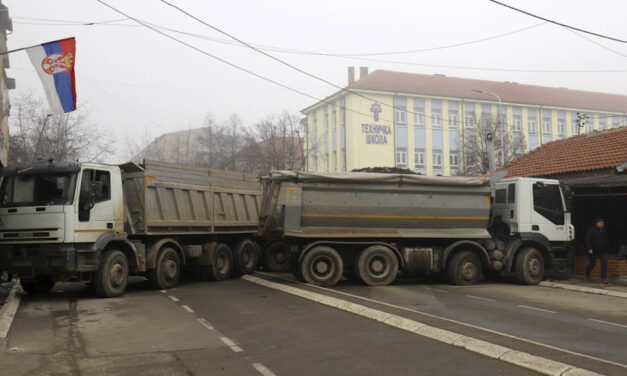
point(54, 62)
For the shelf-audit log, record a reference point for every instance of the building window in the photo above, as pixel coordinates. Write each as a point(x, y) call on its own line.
point(437, 158)
point(589, 123)
point(561, 127)
point(470, 119)
point(401, 157)
point(400, 115)
point(516, 123)
point(436, 118)
point(454, 159)
point(334, 115)
point(533, 126)
point(452, 120)
point(602, 124)
point(419, 117)
point(419, 158)
point(615, 122)
point(546, 125)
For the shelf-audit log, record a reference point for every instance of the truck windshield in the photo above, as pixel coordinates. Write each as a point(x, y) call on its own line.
point(42, 189)
point(547, 201)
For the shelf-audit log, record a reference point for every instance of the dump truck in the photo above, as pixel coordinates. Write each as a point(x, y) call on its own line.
point(374, 226)
point(99, 223)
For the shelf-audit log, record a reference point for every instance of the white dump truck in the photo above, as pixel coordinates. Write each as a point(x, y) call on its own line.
point(98, 223)
point(372, 225)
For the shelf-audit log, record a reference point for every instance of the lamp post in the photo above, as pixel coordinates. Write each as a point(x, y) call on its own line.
point(498, 122)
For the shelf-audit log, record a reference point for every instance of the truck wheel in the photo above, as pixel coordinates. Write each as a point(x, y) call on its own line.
point(167, 271)
point(111, 278)
point(275, 258)
point(377, 265)
point(529, 266)
point(222, 266)
point(464, 269)
point(322, 266)
point(245, 257)
point(38, 286)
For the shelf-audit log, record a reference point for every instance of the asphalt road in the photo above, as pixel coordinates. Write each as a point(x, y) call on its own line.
point(237, 327)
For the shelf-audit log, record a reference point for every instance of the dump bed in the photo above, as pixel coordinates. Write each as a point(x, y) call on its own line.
point(361, 205)
point(165, 198)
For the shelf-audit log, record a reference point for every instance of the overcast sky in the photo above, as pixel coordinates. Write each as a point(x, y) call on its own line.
point(130, 78)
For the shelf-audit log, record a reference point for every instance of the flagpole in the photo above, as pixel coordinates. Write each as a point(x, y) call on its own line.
point(34, 45)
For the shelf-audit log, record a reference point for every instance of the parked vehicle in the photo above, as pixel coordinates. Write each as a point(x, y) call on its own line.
point(97, 223)
point(370, 226)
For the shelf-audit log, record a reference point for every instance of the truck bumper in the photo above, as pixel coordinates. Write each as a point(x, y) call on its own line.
point(61, 260)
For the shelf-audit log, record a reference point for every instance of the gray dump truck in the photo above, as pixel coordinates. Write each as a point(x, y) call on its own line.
point(372, 226)
point(97, 223)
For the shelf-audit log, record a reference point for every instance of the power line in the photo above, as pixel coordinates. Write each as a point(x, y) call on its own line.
point(597, 43)
point(559, 23)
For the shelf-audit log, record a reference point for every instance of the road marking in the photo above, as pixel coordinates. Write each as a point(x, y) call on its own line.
point(535, 308)
point(609, 323)
point(481, 298)
point(231, 344)
point(434, 289)
point(163, 291)
point(8, 311)
point(206, 324)
point(263, 370)
point(173, 298)
point(450, 320)
point(187, 308)
point(589, 290)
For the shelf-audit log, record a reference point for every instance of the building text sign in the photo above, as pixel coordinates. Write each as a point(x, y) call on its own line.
point(376, 134)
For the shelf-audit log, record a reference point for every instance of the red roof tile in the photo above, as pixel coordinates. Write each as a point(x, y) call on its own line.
point(598, 150)
point(440, 85)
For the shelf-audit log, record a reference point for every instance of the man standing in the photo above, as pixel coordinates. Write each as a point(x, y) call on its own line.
point(597, 244)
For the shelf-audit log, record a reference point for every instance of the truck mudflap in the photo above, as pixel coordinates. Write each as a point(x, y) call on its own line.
point(61, 260)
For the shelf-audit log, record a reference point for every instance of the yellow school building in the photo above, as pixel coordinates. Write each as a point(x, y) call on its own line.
point(420, 122)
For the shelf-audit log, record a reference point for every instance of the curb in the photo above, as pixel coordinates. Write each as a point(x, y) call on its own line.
point(484, 348)
point(589, 290)
point(8, 311)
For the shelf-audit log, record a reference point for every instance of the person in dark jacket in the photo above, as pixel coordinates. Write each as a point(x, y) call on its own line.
point(597, 244)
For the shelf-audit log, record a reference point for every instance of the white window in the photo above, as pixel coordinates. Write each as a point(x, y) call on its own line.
point(516, 123)
point(486, 121)
point(470, 120)
point(419, 158)
point(533, 126)
point(436, 118)
point(561, 127)
point(452, 119)
point(546, 125)
point(401, 157)
point(602, 124)
point(400, 115)
point(437, 158)
point(419, 117)
point(454, 159)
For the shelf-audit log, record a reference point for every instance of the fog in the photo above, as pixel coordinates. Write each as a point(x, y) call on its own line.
point(130, 78)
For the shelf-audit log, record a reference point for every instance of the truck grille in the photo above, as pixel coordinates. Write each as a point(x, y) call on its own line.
point(25, 236)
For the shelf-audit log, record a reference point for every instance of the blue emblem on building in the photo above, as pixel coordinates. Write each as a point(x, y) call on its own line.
point(375, 109)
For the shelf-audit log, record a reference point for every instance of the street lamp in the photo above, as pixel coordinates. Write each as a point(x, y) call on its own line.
point(498, 123)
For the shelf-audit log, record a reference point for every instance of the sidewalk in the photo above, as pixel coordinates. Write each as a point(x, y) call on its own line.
point(617, 286)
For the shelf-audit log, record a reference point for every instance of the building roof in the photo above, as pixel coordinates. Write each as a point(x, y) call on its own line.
point(441, 85)
point(594, 151)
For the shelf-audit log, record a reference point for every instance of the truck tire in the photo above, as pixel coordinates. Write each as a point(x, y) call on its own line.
point(464, 269)
point(245, 257)
point(167, 270)
point(529, 266)
point(111, 278)
point(38, 286)
point(377, 265)
point(276, 258)
point(322, 266)
point(222, 263)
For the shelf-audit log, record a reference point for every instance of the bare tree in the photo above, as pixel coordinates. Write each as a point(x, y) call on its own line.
point(507, 145)
point(143, 146)
point(221, 143)
point(36, 135)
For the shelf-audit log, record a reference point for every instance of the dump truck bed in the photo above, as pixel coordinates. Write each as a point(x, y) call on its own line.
point(168, 198)
point(366, 205)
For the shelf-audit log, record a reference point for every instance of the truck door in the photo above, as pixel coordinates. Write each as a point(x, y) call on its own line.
point(95, 208)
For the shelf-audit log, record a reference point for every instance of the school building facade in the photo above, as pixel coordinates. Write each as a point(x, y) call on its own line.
point(417, 121)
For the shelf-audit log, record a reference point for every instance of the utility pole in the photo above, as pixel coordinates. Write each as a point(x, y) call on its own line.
point(499, 126)
point(581, 122)
point(490, 145)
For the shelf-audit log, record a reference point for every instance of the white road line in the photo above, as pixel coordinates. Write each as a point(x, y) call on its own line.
point(608, 323)
point(8, 311)
point(263, 370)
point(231, 344)
point(448, 320)
point(173, 298)
point(163, 291)
point(481, 298)
point(206, 324)
point(535, 308)
point(434, 289)
point(187, 308)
